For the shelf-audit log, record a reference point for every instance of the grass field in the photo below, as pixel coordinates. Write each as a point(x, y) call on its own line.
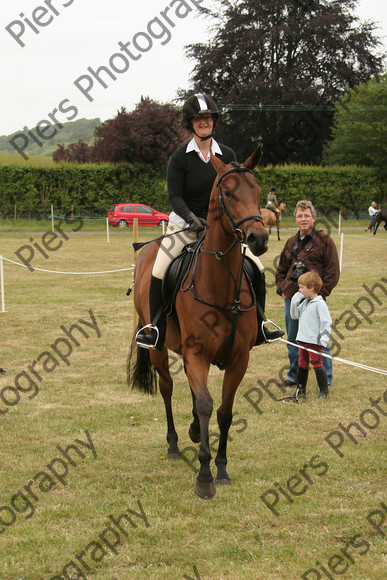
point(64, 510)
point(16, 159)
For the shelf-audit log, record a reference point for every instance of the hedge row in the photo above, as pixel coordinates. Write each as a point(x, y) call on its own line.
point(91, 189)
point(330, 189)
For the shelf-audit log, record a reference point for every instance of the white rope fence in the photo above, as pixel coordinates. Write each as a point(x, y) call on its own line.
point(338, 359)
point(2, 259)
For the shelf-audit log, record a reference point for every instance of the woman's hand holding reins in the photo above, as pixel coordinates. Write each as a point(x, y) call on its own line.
point(196, 224)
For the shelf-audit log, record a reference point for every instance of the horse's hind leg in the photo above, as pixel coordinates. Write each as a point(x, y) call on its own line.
point(161, 364)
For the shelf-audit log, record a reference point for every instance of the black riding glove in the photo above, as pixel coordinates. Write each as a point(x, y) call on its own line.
point(196, 224)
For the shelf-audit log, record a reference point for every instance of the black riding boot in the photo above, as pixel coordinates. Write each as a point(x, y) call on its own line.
point(155, 338)
point(302, 379)
point(260, 293)
point(322, 382)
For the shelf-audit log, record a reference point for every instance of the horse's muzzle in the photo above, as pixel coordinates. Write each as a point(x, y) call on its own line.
point(257, 242)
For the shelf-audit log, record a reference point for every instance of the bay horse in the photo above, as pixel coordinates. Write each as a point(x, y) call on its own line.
point(215, 305)
point(382, 216)
point(269, 217)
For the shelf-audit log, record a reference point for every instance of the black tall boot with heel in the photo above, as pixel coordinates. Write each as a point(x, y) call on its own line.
point(158, 326)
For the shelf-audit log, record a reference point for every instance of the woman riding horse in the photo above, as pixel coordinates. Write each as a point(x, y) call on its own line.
point(190, 177)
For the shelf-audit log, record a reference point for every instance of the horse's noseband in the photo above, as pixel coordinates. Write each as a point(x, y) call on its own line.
point(235, 225)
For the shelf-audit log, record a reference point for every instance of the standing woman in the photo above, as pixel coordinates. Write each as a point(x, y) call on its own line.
point(190, 177)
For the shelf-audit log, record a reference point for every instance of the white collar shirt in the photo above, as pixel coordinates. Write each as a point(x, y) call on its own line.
point(193, 146)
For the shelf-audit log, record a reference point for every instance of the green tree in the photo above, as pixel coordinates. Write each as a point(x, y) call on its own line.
point(277, 66)
point(359, 135)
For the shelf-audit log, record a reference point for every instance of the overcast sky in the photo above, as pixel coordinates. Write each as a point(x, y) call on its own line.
point(74, 35)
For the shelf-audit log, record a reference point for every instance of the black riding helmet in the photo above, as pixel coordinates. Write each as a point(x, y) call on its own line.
point(196, 105)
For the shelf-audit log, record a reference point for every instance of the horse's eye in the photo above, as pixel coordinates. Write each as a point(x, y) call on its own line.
point(226, 192)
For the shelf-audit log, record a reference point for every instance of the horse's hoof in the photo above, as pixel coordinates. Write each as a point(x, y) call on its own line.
point(194, 435)
point(205, 489)
point(173, 456)
point(224, 481)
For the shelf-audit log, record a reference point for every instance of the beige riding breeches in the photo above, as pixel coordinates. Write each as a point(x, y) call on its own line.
point(172, 246)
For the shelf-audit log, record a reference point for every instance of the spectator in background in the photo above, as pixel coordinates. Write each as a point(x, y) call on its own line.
point(373, 212)
point(309, 249)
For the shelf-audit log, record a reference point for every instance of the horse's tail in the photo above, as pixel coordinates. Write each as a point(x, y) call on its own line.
point(141, 375)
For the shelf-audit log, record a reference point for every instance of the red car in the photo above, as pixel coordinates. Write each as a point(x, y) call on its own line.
point(122, 215)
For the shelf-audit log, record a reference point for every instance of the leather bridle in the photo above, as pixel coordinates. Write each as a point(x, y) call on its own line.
point(235, 226)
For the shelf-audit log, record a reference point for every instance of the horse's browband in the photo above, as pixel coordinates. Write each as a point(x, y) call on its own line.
point(236, 169)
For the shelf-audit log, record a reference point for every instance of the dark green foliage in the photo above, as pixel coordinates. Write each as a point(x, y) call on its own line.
point(360, 131)
point(329, 188)
point(91, 189)
point(276, 68)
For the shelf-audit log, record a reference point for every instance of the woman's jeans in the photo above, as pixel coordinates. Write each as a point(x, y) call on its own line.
point(291, 331)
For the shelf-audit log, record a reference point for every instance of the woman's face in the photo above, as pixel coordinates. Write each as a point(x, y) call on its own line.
point(203, 125)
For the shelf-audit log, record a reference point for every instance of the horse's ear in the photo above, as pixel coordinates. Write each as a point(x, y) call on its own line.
point(217, 163)
point(253, 160)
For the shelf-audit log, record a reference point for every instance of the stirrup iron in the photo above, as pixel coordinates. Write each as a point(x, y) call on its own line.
point(150, 346)
point(267, 320)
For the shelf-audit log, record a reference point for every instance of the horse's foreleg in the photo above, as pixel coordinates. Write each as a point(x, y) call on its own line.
point(224, 421)
point(197, 377)
point(278, 234)
point(160, 362)
point(231, 381)
point(194, 428)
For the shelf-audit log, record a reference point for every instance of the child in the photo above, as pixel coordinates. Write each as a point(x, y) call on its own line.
point(313, 331)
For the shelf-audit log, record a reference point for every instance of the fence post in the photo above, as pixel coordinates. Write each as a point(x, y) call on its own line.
point(2, 285)
point(135, 239)
point(341, 251)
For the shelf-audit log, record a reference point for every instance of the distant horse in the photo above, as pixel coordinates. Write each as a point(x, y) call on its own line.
point(381, 217)
point(269, 218)
point(216, 319)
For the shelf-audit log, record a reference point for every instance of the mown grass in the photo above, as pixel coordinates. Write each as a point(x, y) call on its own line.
point(234, 536)
point(16, 159)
